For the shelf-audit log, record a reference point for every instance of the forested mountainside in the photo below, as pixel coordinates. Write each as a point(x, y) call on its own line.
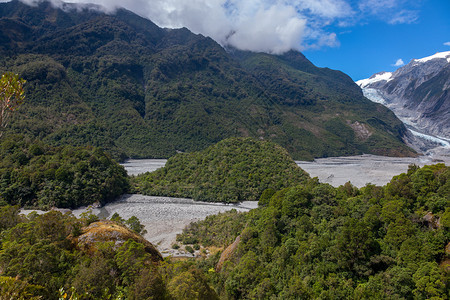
point(120, 82)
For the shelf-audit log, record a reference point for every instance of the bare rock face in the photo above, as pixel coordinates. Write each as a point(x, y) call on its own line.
point(109, 231)
point(418, 92)
point(360, 129)
point(431, 220)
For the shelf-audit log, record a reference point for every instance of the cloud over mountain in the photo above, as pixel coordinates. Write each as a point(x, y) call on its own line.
point(399, 63)
point(272, 26)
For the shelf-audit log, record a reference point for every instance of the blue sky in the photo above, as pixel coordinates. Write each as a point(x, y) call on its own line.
point(376, 45)
point(358, 37)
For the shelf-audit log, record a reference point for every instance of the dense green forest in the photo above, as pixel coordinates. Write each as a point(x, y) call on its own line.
point(314, 241)
point(41, 258)
point(122, 83)
point(308, 241)
point(33, 174)
point(233, 170)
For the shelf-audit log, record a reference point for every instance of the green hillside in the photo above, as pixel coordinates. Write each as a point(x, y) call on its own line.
point(120, 82)
point(309, 241)
point(314, 241)
point(33, 174)
point(235, 169)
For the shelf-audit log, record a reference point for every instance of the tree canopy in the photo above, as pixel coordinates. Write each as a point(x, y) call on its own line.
point(40, 259)
point(314, 241)
point(235, 169)
point(33, 174)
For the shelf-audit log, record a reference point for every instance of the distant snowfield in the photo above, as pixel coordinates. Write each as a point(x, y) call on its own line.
point(437, 55)
point(383, 76)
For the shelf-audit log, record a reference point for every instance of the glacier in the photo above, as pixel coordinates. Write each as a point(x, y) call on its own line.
point(375, 95)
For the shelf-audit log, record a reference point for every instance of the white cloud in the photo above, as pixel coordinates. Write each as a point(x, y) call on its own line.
point(404, 17)
point(391, 11)
point(376, 6)
point(272, 26)
point(274, 30)
point(447, 44)
point(324, 8)
point(399, 63)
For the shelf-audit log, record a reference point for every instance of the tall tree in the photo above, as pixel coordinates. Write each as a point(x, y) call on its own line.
point(11, 96)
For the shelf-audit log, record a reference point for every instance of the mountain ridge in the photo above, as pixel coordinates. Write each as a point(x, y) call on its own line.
point(120, 82)
point(419, 92)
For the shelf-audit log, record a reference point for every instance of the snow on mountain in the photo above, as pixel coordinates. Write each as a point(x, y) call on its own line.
point(386, 76)
point(374, 96)
point(419, 94)
point(439, 55)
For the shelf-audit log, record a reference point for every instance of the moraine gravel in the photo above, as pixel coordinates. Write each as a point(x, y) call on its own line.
point(165, 217)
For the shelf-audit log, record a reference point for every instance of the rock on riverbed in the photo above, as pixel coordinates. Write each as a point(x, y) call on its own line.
point(165, 217)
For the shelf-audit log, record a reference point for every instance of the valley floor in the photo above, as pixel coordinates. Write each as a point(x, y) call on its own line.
point(166, 217)
point(363, 169)
point(163, 217)
point(359, 170)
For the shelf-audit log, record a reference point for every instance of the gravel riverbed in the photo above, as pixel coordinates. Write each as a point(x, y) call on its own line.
point(165, 217)
point(363, 169)
point(359, 170)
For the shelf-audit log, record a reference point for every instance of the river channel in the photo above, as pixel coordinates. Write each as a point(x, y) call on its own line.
point(359, 170)
point(165, 217)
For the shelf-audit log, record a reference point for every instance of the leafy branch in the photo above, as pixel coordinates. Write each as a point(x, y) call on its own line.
point(11, 96)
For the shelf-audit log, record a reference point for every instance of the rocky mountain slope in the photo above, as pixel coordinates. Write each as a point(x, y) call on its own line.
point(120, 82)
point(419, 93)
